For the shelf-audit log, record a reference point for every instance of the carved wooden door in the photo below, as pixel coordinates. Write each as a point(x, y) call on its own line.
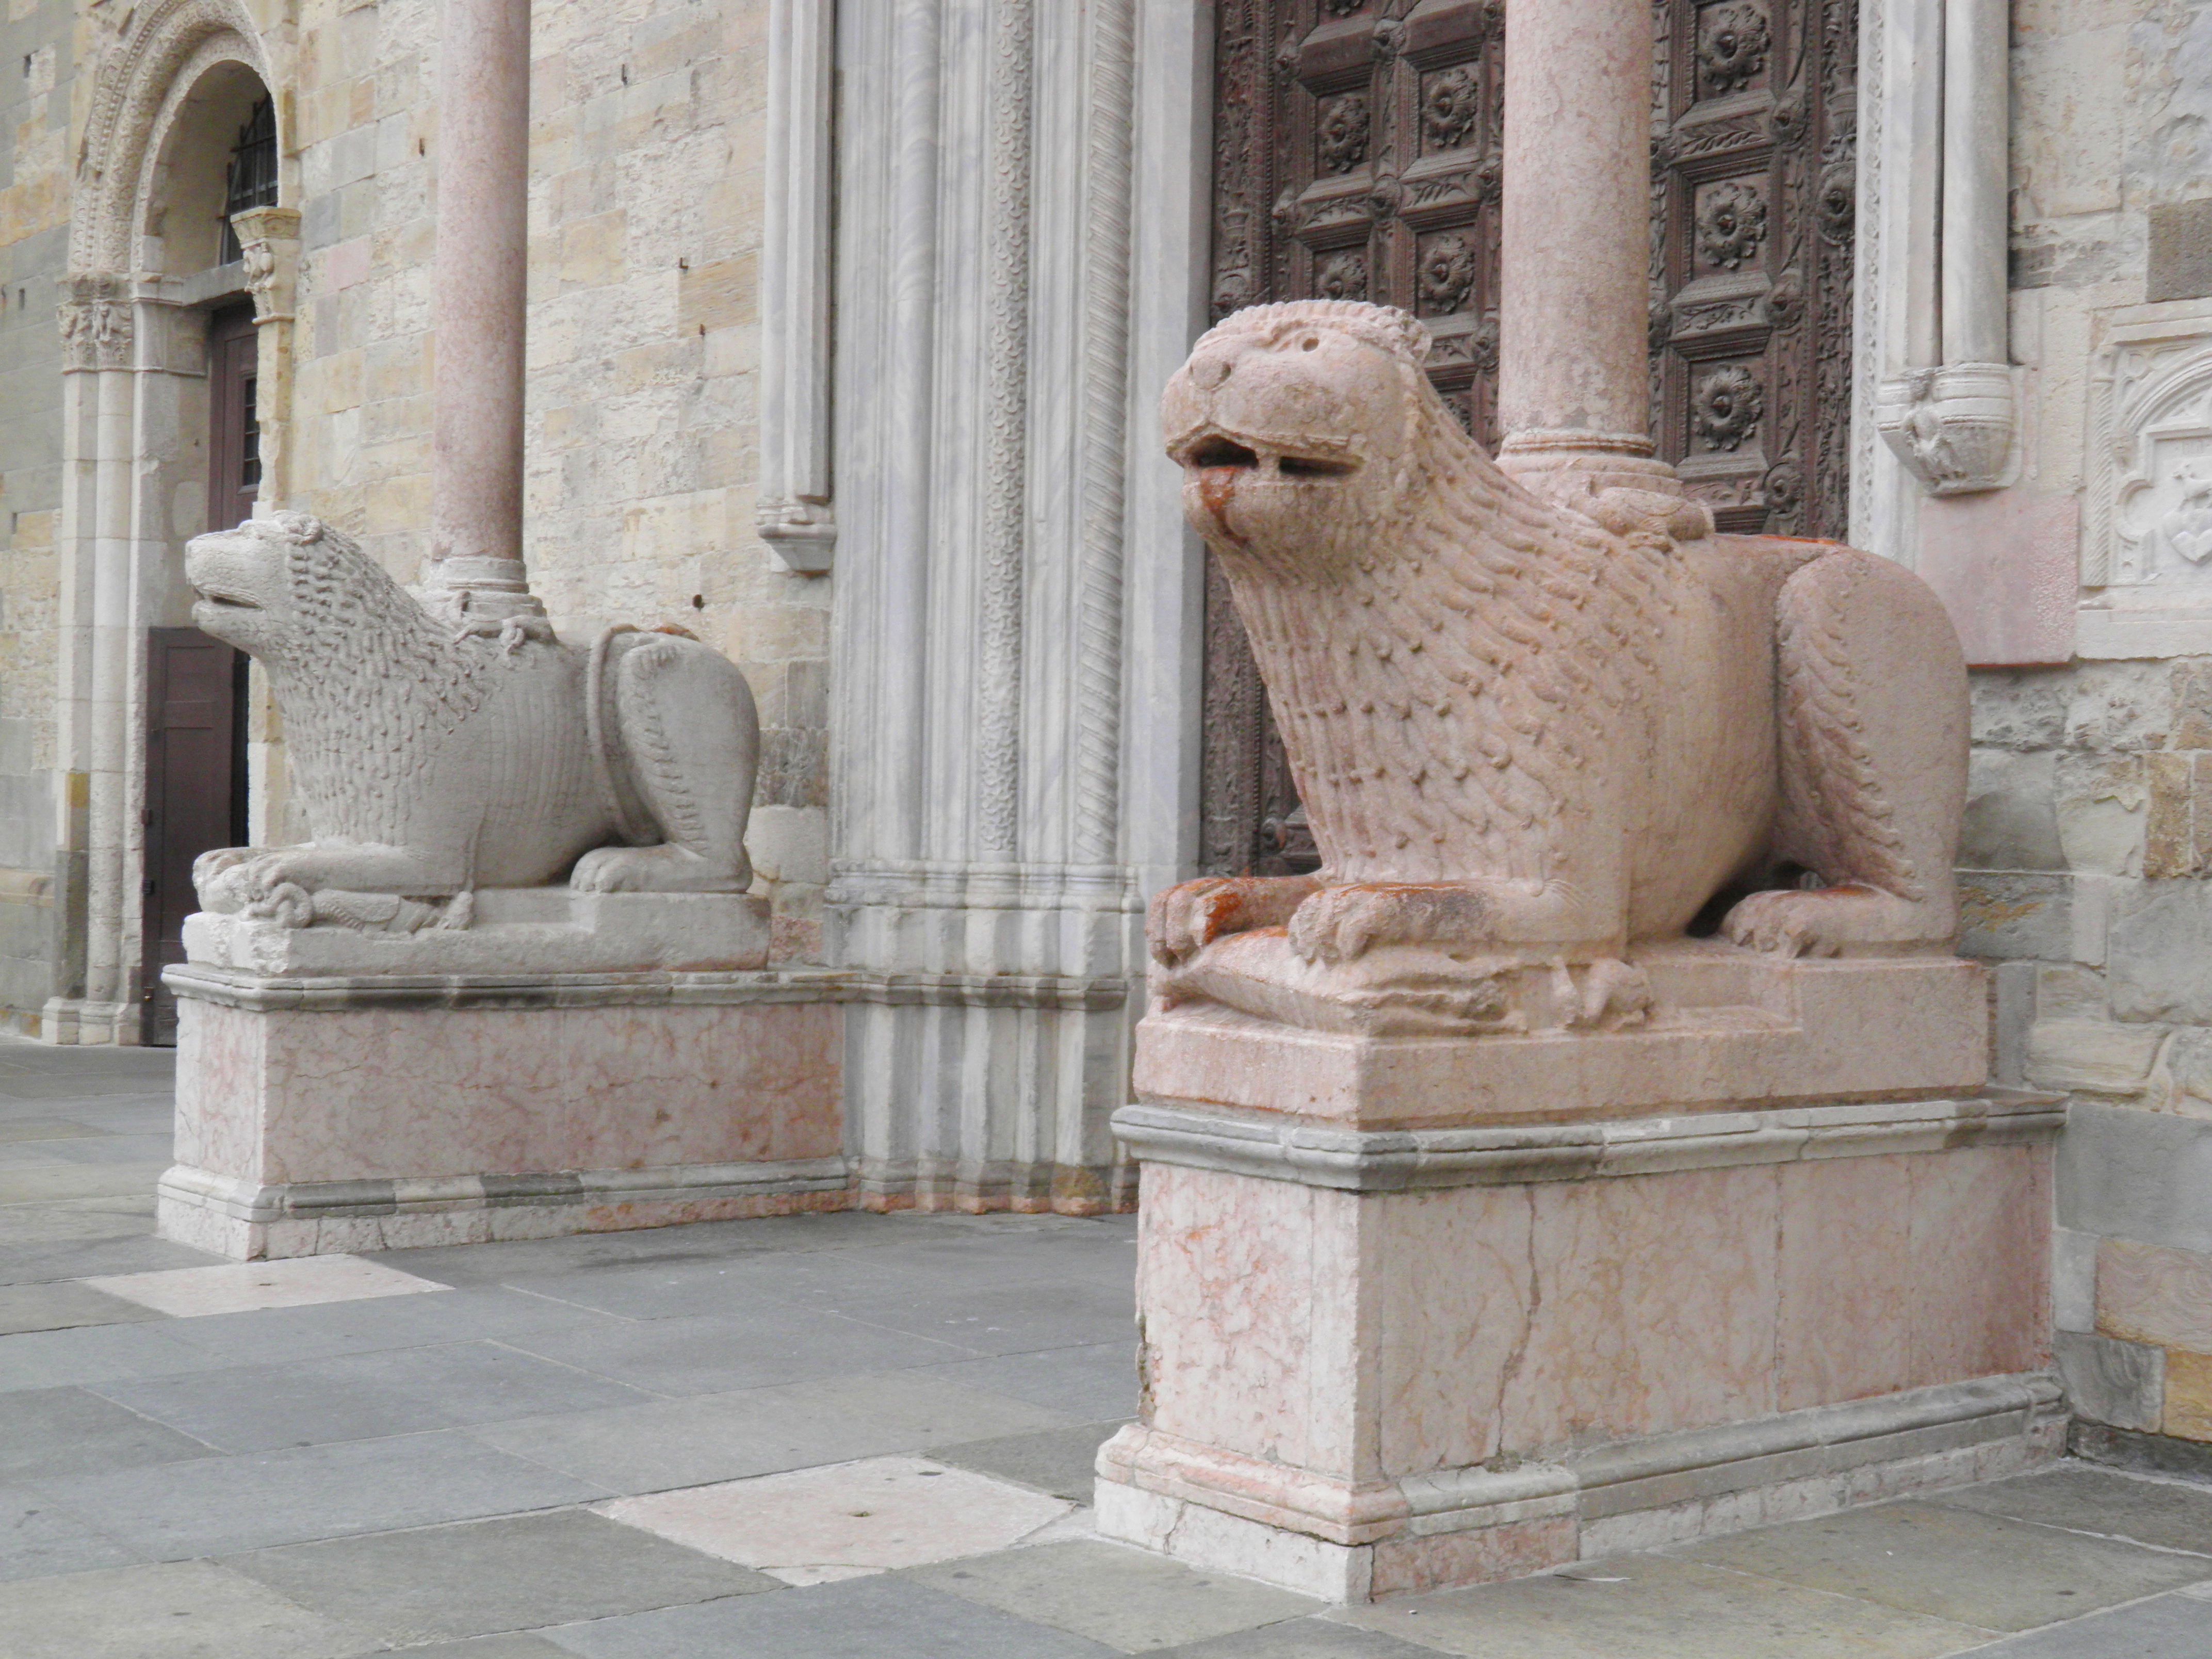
point(1357, 156)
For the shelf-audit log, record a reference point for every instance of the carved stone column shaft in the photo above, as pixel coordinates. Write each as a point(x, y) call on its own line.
point(481, 262)
point(1573, 389)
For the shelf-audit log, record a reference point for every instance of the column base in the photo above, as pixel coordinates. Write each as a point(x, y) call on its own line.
point(1479, 1524)
point(75, 1021)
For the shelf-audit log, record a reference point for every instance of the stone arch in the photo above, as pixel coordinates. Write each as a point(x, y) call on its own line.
point(166, 50)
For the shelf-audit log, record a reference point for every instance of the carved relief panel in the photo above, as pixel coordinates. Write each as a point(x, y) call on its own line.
point(1357, 156)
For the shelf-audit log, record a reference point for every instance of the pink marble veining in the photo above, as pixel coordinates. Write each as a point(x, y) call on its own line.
point(1981, 1258)
point(1250, 1339)
point(1846, 1270)
point(364, 1094)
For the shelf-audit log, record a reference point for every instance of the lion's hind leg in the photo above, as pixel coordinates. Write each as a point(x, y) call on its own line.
point(682, 741)
point(1872, 694)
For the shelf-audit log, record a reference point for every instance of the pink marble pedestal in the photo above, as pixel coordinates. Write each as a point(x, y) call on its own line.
point(329, 1100)
point(1496, 1337)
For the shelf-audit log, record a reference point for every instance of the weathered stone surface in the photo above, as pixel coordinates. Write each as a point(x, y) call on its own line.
point(2009, 823)
point(2006, 915)
point(2134, 1174)
point(2148, 1293)
point(2098, 802)
point(2188, 1395)
point(2160, 952)
point(2091, 1055)
point(2110, 1381)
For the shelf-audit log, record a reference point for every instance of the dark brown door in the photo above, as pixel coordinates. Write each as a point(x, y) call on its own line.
point(1356, 157)
point(195, 694)
point(195, 792)
point(233, 434)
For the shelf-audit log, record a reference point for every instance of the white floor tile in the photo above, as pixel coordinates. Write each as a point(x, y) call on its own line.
point(243, 1286)
point(813, 1526)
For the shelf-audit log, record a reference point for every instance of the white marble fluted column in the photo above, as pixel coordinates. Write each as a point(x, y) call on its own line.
point(482, 263)
point(1573, 387)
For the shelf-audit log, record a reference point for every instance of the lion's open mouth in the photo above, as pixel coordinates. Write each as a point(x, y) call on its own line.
point(1218, 451)
point(228, 602)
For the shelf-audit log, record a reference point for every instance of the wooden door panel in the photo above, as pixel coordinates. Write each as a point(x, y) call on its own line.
point(192, 799)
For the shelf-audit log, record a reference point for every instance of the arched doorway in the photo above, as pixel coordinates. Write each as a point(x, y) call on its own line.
point(176, 314)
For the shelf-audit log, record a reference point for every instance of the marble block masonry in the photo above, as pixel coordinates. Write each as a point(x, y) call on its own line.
point(1598, 1150)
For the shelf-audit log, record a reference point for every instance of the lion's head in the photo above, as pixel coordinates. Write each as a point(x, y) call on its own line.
point(1292, 421)
point(244, 579)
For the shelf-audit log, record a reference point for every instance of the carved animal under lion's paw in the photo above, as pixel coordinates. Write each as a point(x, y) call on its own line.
point(1525, 734)
point(430, 762)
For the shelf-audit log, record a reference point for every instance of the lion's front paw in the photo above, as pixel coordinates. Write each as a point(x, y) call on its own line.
point(1341, 924)
point(661, 869)
point(1183, 920)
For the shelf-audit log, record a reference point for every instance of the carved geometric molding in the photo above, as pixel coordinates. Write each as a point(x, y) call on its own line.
point(2146, 529)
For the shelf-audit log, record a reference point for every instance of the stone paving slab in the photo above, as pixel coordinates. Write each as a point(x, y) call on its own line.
point(48, 1433)
point(1646, 1606)
point(63, 1304)
point(708, 1437)
point(1063, 1461)
point(175, 1610)
point(2176, 1625)
point(511, 1573)
point(1131, 1600)
point(887, 1615)
point(223, 1505)
point(2169, 1515)
point(1952, 1562)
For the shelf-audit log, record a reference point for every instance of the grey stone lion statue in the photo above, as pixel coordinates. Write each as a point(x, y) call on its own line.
point(431, 762)
point(1533, 737)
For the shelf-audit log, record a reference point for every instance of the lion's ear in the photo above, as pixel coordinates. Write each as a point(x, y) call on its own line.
point(301, 527)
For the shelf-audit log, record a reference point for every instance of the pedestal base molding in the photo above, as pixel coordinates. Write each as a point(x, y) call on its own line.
point(1473, 1525)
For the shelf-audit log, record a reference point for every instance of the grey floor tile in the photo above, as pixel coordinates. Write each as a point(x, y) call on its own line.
point(724, 1286)
point(47, 1433)
point(153, 1152)
point(525, 1261)
point(361, 1396)
point(373, 1324)
point(1089, 1251)
point(2164, 1627)
point(50, 1183)
point(94, 1354)
point(38, 1540)
point(1063, 1461)
point(2167, 1514)
point(61, 1304)
point(1952, 1564)
point(1300, 1638)
point(706, 1438)
point(1003, 1319)
point(493, 1647)
point(42, 1129)
point(1132, 1602)
point(1092, 1383)
point(69, 1243)
point(224, 1505)
point(1659, 1609)
point(885, 1617)
point(182, 1610)
point(716, 1356)
point(513, 1573)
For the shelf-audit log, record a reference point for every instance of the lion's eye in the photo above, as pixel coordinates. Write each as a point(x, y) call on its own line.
point(1311, 343)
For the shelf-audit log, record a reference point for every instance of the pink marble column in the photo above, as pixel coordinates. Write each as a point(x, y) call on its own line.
point(483, 161)
point(1572, 387)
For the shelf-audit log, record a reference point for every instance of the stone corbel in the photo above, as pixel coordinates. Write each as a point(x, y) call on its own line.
point(1952, 422)
point(1952, 426)
point(268, 246)
point(794, 514)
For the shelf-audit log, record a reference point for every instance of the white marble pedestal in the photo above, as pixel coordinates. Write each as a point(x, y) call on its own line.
point(1421, 1329)
point(569, 1063)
